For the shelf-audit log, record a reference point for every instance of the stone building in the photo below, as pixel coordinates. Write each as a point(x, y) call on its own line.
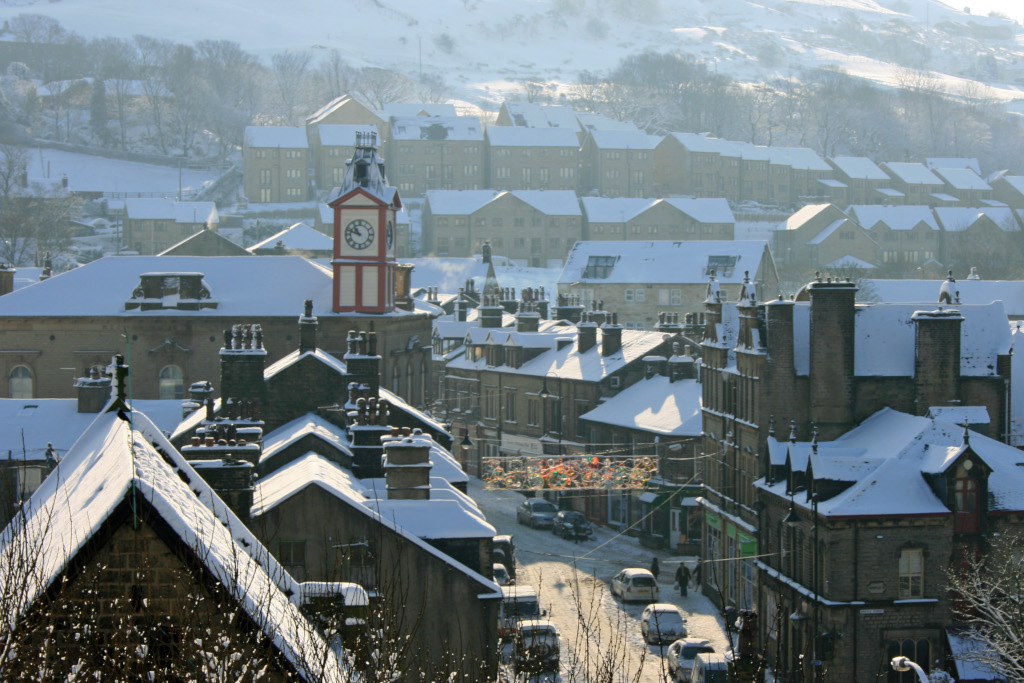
point(531, 227)
point(167, 312)
point(435, 153)
point(152, 225)
point(862, 177)
point(521, 158)
point(278, 166)
point(824, 365)
point(822, 235)
point(641, 279)
point(618, 163)
point(682, 218)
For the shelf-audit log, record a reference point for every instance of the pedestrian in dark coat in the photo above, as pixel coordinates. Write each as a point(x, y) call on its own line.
point(683, 578)
point(696, 573)
point(655, 569)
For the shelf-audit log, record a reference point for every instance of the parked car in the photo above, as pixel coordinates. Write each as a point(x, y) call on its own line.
point(501, 576)
point(661, 623)
point(570, 524)
point(635, 584)
point(681, 655)
point(536, 647)
point(537, 513)
point(519, 602)
point(710, 668)
point(504, 553)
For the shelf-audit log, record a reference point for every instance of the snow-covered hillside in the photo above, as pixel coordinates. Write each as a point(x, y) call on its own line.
point(484, 49)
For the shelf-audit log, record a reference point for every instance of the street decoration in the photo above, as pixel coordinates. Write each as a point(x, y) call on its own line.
point(568, 472)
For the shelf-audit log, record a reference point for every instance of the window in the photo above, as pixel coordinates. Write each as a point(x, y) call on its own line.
point(292, 173)
point(471, 169)
point(629, 295)
point(527, 175)
point(519, 222)
point(337, 174)
point(641, 295)
point(599, 267)
point(265, 194)
point(566, 173)
point(722, 265)
point(911, 573)
point(533, 411)
point(20, 383)
point(430, 171)
point(264, 176)
point(917, 650)
point(503, 173)
point(442, 245)
point(510, 406)
point(292, 554)
point(663, 297)
point(172, 383)
point(542, 174)
point(677, 297)
point(261, 154)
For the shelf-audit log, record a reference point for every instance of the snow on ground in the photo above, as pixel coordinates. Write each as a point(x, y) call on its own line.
point(98, 174)
point(562, 570)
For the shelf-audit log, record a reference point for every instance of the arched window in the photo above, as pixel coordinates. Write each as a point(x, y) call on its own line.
point(21, 383)
point(409, 378)
point(394, 378)
point(172, 383)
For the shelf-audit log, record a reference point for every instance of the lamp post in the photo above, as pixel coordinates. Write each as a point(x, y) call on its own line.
point(903, 664)
point(793, 520)
point(545, 395)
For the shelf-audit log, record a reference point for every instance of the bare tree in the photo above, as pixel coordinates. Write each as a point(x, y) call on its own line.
point(377, 86)
point(289, 70)
point(36, 28)
point(332, 77)
point(988, 593)
point(116, 68)
point(151, 55)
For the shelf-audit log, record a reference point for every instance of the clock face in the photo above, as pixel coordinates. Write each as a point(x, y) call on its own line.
point(359, 234)
point(390, 235)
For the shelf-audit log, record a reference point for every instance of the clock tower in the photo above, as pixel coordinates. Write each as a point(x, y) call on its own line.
point(364, 233)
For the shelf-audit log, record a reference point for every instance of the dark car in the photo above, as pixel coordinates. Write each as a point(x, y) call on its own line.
point(536, 512)
point(536, 647)
point(570, 524)
point(504, 553)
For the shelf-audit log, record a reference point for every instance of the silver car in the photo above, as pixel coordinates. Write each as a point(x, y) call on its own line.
point(537, 513)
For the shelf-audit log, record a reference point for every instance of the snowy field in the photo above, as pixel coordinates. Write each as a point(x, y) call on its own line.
point(98, 174)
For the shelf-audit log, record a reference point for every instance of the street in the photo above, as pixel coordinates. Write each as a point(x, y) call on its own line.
point(600, 637)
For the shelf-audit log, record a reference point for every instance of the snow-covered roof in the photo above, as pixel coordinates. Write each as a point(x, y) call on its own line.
point(962, 178)
point(667, 261)
point(624, 139)
point(243, 286)
point(894, 217)
point(404, 109)
point(960, 218)
point(912, 173)
point(115, 459)
point(342, 134)
point(550, 202)
point(702, 142)
point(519, 136)
point(303, 426)
point(290, 137)
point(926, 292)
point(808, 213)
point(703, 210)
point(299, 237)
point(567, 363)
point(414, 520)
point(848, 261)
point(966, 653)
point(1015, 181)
point(623, 209)
point(961, 415)
point(595, 122)
point(154, 208)
point(800, 158)
point(332, 363)
point(654, 405)
point(859, 167)
point(534, 115)
point(884, 345)
point(891, 452)
point(437, 128)
point(458, 202)
point(827, 231)
point(953, 162)
point(28, 425)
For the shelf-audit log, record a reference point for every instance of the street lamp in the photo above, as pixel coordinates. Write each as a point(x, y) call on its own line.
point(793, 519)
point(904, 664)
point(545, 395)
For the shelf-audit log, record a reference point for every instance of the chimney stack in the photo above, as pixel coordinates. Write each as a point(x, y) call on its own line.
point(93, 392)
point(611, 336)
point(6, 279)
point(490, 311)
point(832, 342)
point(568, 307)
point(362, 361)
point(406, 464)
point(936, 358)
point(242, 361)
point(307, 328)
point(586, 334)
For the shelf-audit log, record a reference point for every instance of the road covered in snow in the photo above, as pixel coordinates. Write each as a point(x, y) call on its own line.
point(600, 636)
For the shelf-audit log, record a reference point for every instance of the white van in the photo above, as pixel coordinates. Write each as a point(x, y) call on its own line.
point(710, 668)
point(519, 603)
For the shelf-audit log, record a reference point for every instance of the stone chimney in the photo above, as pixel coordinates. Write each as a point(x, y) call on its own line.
point(6, 278)
point(508, 300)
point(242, 361)
point(654, 366)
point(93, 392)
point(586, 334)
point(669, 323)
point(527, 318)
point(406, 464)
point(832, 340)
point(936, 358)
point(362, 361)
point(681, 366)
point(611, 336)
point(747, 308)
point(490, 311)
point(568, 307)
point(366, 425)
point(543, 305)
point(307, 328)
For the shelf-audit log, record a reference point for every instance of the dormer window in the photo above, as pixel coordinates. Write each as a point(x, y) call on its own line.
point(599, 267)
point(183, 291)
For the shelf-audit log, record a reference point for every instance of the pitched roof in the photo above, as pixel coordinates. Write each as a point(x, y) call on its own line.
point(114, 459)
point(959, 218)
point(624, 139)
point(654, 405)
point(859, 167)
point(926, 292)
point(404, 109)
point(154, 208)
point(962, 178)
point(912, 173)
point(534, 115)
point(666, 261)
point(436, 128)
point(342, 134)
point(299, 237)
point(894, 217)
